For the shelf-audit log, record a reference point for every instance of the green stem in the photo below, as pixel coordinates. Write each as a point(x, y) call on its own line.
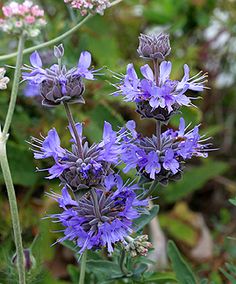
point(5, 166)
point(15, 85)
point(123, 267)
point(158, 134)
point(55, 40)
point(82, 268)
point(156, 70)
point(158, 123)
point(13, 208)
point(50, 42)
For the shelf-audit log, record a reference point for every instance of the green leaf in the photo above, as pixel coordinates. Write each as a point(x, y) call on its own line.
point(21, 165)
point(103, 266)
point(144, 219)
point(183, 272)
point(161, 277)
point(194, 179)
point(140, 270)
point(74, 273)
point(233, 201)
point(179, 230)
point(231, 273)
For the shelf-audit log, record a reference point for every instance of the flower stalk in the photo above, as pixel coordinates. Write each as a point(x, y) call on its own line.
point(158, 122)
point(158, 133)
point(83, 268)
point(13, 208)
point(5, 165)
point(48, 43)
point(15, 85)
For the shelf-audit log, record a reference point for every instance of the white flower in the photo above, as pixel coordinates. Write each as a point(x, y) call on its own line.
point(3, 80)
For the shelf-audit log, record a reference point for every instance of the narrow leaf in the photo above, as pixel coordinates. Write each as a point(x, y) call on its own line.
point(183, 272)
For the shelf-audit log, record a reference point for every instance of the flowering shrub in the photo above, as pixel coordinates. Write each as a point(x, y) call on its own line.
point(103, 208)
point(25, 17)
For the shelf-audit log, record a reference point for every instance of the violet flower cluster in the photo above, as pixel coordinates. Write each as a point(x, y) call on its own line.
point(76, 169)
point(19, 17)
point(98, 208)
point(165, 161)
point(155, 94)
point(159, 158)
point(56, 84)
point(101, 218)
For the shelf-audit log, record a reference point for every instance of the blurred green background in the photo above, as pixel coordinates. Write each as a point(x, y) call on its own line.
point(195, 211)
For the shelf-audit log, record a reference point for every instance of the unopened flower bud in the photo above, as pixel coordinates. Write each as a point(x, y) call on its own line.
point(59, 51)
point(138, 246)
point(154, 46)
point(29, 260)
point(160, 114)
point(66, 89)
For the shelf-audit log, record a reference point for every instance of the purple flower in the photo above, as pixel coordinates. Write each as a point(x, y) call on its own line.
point(170, 163)
point(161, 97)
point(130, 86)
point(49, 147)
point(153, 166)
point(31, 90)
point(57, 170)
point(102, 217)
point(80, 172)
point(83, 66)
point(144, 154)
point(56, 83)
point(110, 148)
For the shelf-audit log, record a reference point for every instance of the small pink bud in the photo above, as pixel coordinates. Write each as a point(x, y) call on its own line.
point(7, 11)
point(29, 19)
